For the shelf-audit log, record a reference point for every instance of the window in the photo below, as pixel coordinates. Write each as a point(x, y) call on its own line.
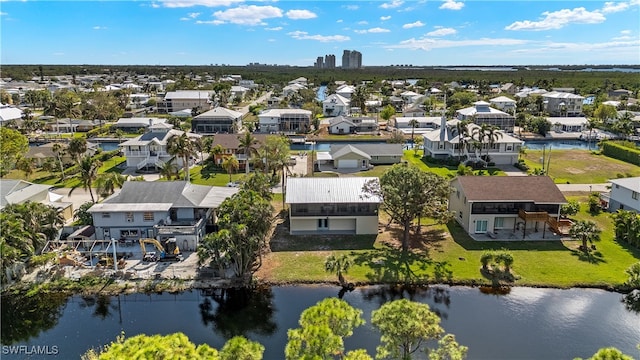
point(498, 223)
point(106, 215)
point(634, 195)
point(129, 216)
point(147, 216)
point(460, 214)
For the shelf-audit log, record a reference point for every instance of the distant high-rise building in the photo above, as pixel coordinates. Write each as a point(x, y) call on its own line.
point(319, 64)
point(351, 59)
point(330, 61)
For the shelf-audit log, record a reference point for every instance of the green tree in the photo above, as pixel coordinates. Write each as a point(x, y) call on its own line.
point(88, 172)
point(26, 165)
point(408, 193)
point(627, 227)
point(585, 230)
point(107, 183)
point(387, 112)
point(404, 327)
point(77, 148)
point(448, 349)
point(323, 328)
point(338, 265)
point(260, 183)
point(417, 144)
point(633, 273)
point(230, 165)
point(12, 146)
point(239, 348)
point(82, 215)
point(182, 147)
point(570, 208)
point(247, 144)
point(168, 170)
point(609, 353)
point(59, 150)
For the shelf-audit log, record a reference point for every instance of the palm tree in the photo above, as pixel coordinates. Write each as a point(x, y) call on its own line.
point(592, 123)
point(77, 147)
point(107, 183)
point(182, 147)
point(169, 170)
point(463, 136)
point(88, 173)
point(338, 265)
point(58, 151)
point(585, 230)
point(230, 164)
point(414, 124)
point(247, 144)
point(25, 165)
point(492, 134)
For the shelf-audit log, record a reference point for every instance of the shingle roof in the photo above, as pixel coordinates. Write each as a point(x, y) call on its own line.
point(328, 190)
point(348, 149)
point(539, 189)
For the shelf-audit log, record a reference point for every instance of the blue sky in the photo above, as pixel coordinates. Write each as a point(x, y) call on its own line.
point(237, 32)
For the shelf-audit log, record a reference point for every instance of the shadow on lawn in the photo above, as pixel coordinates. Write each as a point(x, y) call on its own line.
point(593, 257)
point(391, 265)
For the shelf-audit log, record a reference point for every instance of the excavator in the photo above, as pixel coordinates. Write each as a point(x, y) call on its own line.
point(167, 250)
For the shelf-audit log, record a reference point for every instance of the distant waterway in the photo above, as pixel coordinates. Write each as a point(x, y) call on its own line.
point(526, 323)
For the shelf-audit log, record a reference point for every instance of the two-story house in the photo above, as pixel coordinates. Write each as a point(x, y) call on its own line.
point(446, 142)
point(504, 103)
point(481, 113)
point(624, 195)
point(562, 103)
point(425, 124)
point(134, 124)
point(218, 120)
point(230, 144)
point(516, 204)
point(150, 150)
point(159, 210)
point(186, 99)
point(331, 205)
point(336, 105)
point(352, 124)
point(285, 120)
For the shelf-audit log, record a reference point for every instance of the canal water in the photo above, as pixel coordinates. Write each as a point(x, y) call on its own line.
point(526, 323)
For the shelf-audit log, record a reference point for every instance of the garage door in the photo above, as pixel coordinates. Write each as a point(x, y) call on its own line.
point(342, 164)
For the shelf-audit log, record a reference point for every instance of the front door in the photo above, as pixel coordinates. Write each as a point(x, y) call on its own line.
point(323, 224)
point(481, 226)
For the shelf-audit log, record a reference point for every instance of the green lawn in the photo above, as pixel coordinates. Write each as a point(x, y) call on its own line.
point(442, 170)
point(213, 178)
point(581, 166)
point(447, 253)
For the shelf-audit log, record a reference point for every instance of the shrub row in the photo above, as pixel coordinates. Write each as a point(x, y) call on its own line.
point(621, 151)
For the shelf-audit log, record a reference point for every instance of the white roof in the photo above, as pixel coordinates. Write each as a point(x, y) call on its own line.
point(280, 112)
point(328, 190)
point(335, 98)
point(562, 95)
point(139, 121)
point(188, 94)
point(502, 99)
point(220, 112)
point(129, 207)
point(632, 183)
point(10, 113)
point(568, 120)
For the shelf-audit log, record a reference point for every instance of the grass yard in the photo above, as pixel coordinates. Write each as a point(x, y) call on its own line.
point(447, 254)
point(201, 176)
point(581, 166)
point(442, 170)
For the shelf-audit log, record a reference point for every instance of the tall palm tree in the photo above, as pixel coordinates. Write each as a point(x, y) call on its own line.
point(414, 124)
point(87, 174)
point(463, 136)
point(77, 147)
point(182, 147)
point(230, 164)
point(107, 183)
point(338, 265)
point(492, 135)
point(169, 170)
point(248, 147)
point(58, 150)
point(592, 123)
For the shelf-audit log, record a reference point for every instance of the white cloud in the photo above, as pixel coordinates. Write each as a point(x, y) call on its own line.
point(385, 18)
point(352, 7)
point(375, 30)
point(271, 40)
point(613, 7)
point(190, 3)
point(451, 5)
point(2, 13)
point(559, 19)
point(339, 21)
point(573, 48)
point(442, 32)
point(625, 32)
point(413, 25)
point(300, 14)
point(303, 35)
point(277, 28)
point(193, 15)
point(429, 44)
point(392, 4)
point(99, 28)
point(210, 22)
point(248, 15)
point(363, 22)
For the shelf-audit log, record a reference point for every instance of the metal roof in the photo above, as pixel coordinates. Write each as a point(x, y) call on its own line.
point(328, 190)
point(632, 183)
point(129, 207)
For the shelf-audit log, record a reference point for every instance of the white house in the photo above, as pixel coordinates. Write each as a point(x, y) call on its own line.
point(150, 150)
point(446, 142)
point(134, 124)
point(331, 205)
point(563, 104)
point(284, 120)
point(345, 91)
point(425, 124)
point(350, 125)
point(568, 124)
point(504, 103)
point(625, 194)
point(482, 113)
point(8, 113)
point(335, 105)
point(187, 99)
point(364, 156)
point(218, 120)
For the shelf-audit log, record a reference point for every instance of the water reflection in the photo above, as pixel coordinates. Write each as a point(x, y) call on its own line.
point(383, 294)
point(631, 301)
point(234, 312)
point(25, 317)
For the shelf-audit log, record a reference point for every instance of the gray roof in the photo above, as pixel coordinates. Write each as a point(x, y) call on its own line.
point(19, 191)
point(348, 149)
point(380, 149)
point(632, 183)
point(178, 194)
point(328, 190)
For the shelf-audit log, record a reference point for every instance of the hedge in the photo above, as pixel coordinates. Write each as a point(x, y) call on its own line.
point(618, 150)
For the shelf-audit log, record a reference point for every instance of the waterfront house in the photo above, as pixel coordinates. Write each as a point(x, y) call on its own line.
point(230, 144)
point(425, 124)
point(186, 99)
point(134, 124)
point(352, 124)
point(284, 120)
point(562, 103)
point(624, 195)
point(159, 210)
point(514, 204)
point(218, 120)
point(504, 103)
point(335, 105)
point(364, 156)
point(481, 113)
point(331, 206)
point(150, 150)
point(576, 124)
point(20, 192)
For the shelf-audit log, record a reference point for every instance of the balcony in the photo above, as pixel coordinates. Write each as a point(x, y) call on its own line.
point(178, 227)
point(533, 215)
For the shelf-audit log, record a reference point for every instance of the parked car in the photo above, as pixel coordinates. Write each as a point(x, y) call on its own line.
point(233, 184)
